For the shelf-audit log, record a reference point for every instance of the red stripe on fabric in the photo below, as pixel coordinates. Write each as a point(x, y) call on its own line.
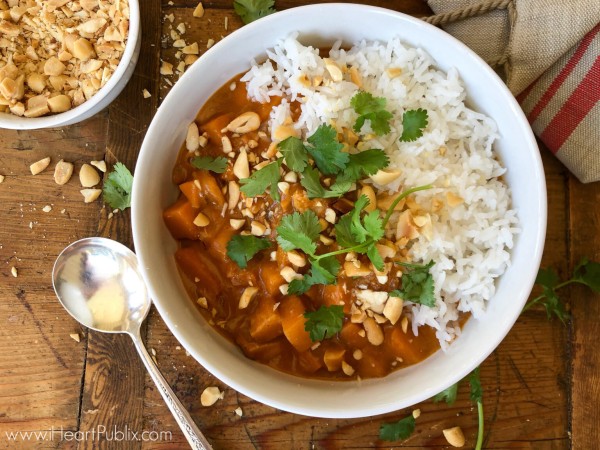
point(579, 104)
point(523, 95)
point(562, 76)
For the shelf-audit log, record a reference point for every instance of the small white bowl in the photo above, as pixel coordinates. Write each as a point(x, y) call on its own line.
point(322, 24)
point(102, 98)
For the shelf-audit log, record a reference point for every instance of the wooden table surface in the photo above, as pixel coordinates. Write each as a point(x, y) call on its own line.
point(541, 386)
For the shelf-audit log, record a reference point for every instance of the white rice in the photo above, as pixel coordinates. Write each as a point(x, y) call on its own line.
point(471, 242)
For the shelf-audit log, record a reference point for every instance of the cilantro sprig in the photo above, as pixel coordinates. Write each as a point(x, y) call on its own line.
point(242, 249)
point(414, 122)
point(355, 232)
point(586, 272)
point(330, 159)
point(116, 191)
point(251, 10)
point(217, 165)
point(372, 109)
point(325, 322)
point(396, 431)
point(417, 284)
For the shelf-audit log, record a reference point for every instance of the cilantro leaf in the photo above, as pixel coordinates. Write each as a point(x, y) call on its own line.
point(325, 322)
point(314, 189)
point(294, 152)
point(251, 10)
point(217, 165)
point(311, 182)
point(554, 306)
point(417, 285)
point(260, 180)
point(374, 225)
point(242, 249)
point(476, 390)
point(588, 273)
point(299, 231)
point(375, 257)
point(547, 278)
point(352, 230)
point(413, 123)
point(358, 230)
point(365, 163)
point(448, 395)
point(397, 430)
point(117, 187)
point(373, 109)
point(323, 271)
point(327, 151)
point(343, 232)
point(339, 188)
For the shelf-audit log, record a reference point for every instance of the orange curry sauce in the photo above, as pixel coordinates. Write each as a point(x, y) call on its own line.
point(271, 328)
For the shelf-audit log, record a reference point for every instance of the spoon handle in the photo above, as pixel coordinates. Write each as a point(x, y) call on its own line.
point(194, 436)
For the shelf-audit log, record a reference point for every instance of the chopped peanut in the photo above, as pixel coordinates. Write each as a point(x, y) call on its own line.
point(63, 172)
point(88, 176)
point(210, 395)
point(454, 436)
point(39, 166)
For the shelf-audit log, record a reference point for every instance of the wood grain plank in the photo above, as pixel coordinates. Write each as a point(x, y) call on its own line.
point(585, 309)
point(40, 365)
point(112, 395)
point(411, 7)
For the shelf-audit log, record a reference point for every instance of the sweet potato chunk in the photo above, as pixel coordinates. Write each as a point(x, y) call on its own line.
point(192, 193)
point(265, 323)
point(349, 334)
point(309, 362)
point(210, 190)
point(292, 311)
point(271, 278)
point(214, 126)
point(197, 266)
point(334, 294)
point(333, 358)
point(400, 345)
point(179, 218)
point(263, 352)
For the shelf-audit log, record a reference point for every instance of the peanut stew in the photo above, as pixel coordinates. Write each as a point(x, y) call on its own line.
point(278, 302)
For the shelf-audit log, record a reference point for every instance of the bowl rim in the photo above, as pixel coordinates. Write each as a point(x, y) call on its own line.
point(79, 113)
point(327, 411)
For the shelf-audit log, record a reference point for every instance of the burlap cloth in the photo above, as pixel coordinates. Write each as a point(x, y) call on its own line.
point(548, 53)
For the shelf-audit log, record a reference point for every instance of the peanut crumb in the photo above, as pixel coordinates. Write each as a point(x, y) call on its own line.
point(14, 272)
point(75, 337)
point(199, 11)
point(210, 395)
point(146, 94)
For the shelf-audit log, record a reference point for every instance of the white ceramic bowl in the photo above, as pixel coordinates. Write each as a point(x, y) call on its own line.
point(102, 98)
point(322, 24)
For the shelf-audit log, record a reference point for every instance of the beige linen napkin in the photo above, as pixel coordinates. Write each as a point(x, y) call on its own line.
point(548, 53)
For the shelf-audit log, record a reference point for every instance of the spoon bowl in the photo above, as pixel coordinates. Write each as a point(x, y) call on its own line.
point(98, 282)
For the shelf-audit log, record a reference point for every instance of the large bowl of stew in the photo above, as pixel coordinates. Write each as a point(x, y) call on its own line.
point(254, 303)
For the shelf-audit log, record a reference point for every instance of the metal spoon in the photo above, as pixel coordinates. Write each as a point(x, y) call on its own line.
point(98, 282)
